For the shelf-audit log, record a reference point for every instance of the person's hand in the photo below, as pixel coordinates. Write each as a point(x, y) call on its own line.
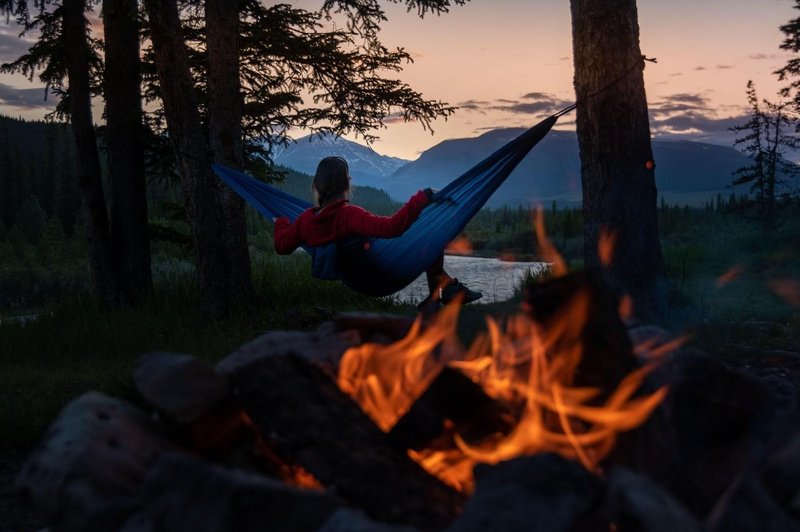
point(429, 192)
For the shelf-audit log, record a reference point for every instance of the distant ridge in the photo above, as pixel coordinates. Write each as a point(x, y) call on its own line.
point(686, 172)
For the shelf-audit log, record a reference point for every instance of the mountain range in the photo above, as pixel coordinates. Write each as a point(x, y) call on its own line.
point(687, 172)
point(367, 167)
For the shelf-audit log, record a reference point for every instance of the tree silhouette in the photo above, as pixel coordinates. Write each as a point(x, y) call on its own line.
point(618, 173)
point(765, 140)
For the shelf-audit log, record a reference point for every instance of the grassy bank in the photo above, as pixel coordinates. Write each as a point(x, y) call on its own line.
point(74, 346)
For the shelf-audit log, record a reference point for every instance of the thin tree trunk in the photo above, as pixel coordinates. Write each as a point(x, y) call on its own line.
point(89, 177)
point(200, 190)
point(772, 173)
point(619, 192)
point(129, 233)
point(225, 133)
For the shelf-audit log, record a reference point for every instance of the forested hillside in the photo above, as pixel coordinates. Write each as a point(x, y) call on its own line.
point(36, 160)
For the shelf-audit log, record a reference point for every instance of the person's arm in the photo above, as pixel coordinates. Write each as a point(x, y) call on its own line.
point(287, 236)
point(365, 223)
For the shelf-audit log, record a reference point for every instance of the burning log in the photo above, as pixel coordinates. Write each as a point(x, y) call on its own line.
point(453, 397)
point(304, 416)
point(607, 351)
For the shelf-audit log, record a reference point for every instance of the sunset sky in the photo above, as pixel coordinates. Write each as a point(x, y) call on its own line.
point(486, 56)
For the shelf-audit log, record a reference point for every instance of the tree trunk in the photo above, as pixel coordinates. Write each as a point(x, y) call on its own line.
point(619, 192)
point(129, 236)
point(225, 133)
point(201, 192)
point(89, 177)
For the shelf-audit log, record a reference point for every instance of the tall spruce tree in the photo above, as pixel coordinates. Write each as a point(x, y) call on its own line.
point(77, 58)
point(125, 148)
point(619, 192)
point(765, 138)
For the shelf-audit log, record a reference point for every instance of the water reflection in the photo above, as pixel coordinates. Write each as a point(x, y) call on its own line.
point(496, 279)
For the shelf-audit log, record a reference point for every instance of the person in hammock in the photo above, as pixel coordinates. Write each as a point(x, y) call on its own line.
point(334, 219)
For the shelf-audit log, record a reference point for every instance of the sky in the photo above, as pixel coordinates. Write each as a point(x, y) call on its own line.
point(508, 63)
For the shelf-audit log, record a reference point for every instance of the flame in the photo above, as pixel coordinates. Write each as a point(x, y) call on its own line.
point(788, 289)
point(386, 379)
point(525, 365)
point(625, 307)
point(729, 276)
point(605, 246)
point(459, 246)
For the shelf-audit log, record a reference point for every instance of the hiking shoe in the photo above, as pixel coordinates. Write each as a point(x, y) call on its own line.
point(452, 290)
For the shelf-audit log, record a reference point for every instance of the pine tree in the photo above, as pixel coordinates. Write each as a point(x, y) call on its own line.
point(764, 139)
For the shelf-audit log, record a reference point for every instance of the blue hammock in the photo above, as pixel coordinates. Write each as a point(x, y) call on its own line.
point(382, 266)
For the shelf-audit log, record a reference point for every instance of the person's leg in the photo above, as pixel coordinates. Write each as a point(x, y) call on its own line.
point(436, 275)
point(444, 288)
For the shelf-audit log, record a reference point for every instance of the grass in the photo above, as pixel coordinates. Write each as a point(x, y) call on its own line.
point(74, 347)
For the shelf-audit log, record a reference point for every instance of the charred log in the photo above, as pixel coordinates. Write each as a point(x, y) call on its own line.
point(450, 397)
point(303, 415)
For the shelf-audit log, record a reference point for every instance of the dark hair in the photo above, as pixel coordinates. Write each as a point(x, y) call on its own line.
point(332, 180)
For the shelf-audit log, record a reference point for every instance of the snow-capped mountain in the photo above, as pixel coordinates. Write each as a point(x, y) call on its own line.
point(367, 167)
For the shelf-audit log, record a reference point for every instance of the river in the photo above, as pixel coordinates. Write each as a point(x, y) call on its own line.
point(496, 279)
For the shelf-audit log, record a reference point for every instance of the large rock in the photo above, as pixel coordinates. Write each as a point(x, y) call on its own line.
point(715, 422)
point(186, 494)
point(543, 492)
point(87, 471)
point(181, 387)
point(322, 347)
point(747, 506)
point(636, 503)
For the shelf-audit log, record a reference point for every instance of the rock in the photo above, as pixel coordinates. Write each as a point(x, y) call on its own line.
point(714, 422)
point(636, 503)
point(86, 472)
point(374, 326)
point(747, 506)
point(346, 520)
point(321, 347)
point(186, 494)
point(542, 492)
point(780, 476)
point(181, 387)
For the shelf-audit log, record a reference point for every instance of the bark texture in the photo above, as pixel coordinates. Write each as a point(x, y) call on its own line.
point(129, 234)
point(201, 193)
point(88, 163)
point(619, 192)
point(225, 133)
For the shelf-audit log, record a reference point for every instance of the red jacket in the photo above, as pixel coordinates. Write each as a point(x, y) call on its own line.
point(340, 219)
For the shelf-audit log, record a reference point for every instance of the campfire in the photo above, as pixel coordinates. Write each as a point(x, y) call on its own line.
point(562, 415)
point(528, 371)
